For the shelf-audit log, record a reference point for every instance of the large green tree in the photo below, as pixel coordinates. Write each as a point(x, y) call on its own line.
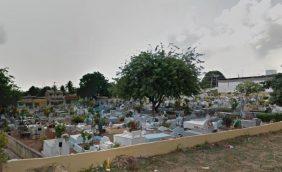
point(276, 85)
point(211, 78)
point(9, 92)
point(93, 85)
point(160, 73)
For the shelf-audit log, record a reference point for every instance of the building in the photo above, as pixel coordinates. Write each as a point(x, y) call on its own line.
point(55, 97)
point(230, 84)
point(32, 102)
point(71, 98)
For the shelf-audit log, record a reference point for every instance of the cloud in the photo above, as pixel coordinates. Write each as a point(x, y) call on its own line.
point(2, 35)
point(249, 31)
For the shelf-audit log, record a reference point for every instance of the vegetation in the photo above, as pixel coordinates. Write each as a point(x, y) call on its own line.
point(100, 122)
point(3, 143)
point(276, 85)
point(234, 104)
point(227, 121)
point(158, 73)
point(9, 92)
point(33, 91)
point(86, 136)
point(211, 78)
point(249, 87)
point(93, 85)
point(133, 126)
point(267, 117)
point(59, 130)
point(78, 119)
point(70, 88)
point(63, 89)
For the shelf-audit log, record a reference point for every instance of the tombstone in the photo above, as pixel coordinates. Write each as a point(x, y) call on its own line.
point(105, 143)
point(178, 132)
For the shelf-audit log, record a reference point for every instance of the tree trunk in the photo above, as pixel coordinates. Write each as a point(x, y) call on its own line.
point(153, 108)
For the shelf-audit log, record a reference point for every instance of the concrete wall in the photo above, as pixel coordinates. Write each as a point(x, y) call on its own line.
point(77, 162)
point(22, 150)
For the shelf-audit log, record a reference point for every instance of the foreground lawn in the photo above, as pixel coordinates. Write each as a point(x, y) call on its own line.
point(248, 153)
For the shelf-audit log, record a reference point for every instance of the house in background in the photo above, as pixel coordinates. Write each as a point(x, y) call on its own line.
point(55, 97)
point(32, 102)
point(230, 84)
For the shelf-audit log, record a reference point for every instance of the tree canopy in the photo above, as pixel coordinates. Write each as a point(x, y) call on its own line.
point(249, 87)
point(211, 78)
point(9, 92)
point(93, 85)
point(33, 91)
point(276, 85)
point(160, 73)
point(70, 88)
point(43, 91)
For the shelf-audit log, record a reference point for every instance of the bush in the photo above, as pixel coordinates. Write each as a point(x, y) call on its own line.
point(223, 109)
point(59, 130)
point(227, 121)
point(267, 117)
point(78, 119)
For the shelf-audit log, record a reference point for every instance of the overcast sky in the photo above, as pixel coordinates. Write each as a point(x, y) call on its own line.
point(47, 41)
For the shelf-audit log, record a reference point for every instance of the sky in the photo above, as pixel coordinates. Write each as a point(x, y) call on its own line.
point(47, 41)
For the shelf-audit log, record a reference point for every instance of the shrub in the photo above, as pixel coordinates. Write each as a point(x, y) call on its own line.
point(267, 117)
point(116, 145)
point(227, 121)
point(59, 130)
point(78, 119)
point(223, 109)
point(133, 126)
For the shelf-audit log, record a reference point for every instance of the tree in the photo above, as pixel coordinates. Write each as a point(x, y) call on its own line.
point(33, 91)
point(54, 88)
point(70, 88)
point(276, 85)
point(158, 73)
point(211, 78)
point(93, 85)
point(62, 89)
point(43, 91)
point(9, 92)
point(248, 88)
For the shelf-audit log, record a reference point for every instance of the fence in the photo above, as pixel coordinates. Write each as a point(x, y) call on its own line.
point(21, 149)
point(77, 162)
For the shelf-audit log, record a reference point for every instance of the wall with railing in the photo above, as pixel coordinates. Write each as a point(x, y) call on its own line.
point(76, 162)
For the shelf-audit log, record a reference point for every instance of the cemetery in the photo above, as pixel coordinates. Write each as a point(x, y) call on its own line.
point(79, 127)
point(158, 109)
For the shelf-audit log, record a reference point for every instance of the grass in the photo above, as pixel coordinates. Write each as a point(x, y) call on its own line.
point(249, 153)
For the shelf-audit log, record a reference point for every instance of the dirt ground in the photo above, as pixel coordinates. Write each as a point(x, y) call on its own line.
point(249, 153)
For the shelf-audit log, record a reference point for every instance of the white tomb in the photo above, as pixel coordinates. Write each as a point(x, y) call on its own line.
point(55, 147)
point(129, 138)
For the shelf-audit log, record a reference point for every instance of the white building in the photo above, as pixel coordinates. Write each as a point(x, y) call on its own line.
point(229, 85)
point(55, 147)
